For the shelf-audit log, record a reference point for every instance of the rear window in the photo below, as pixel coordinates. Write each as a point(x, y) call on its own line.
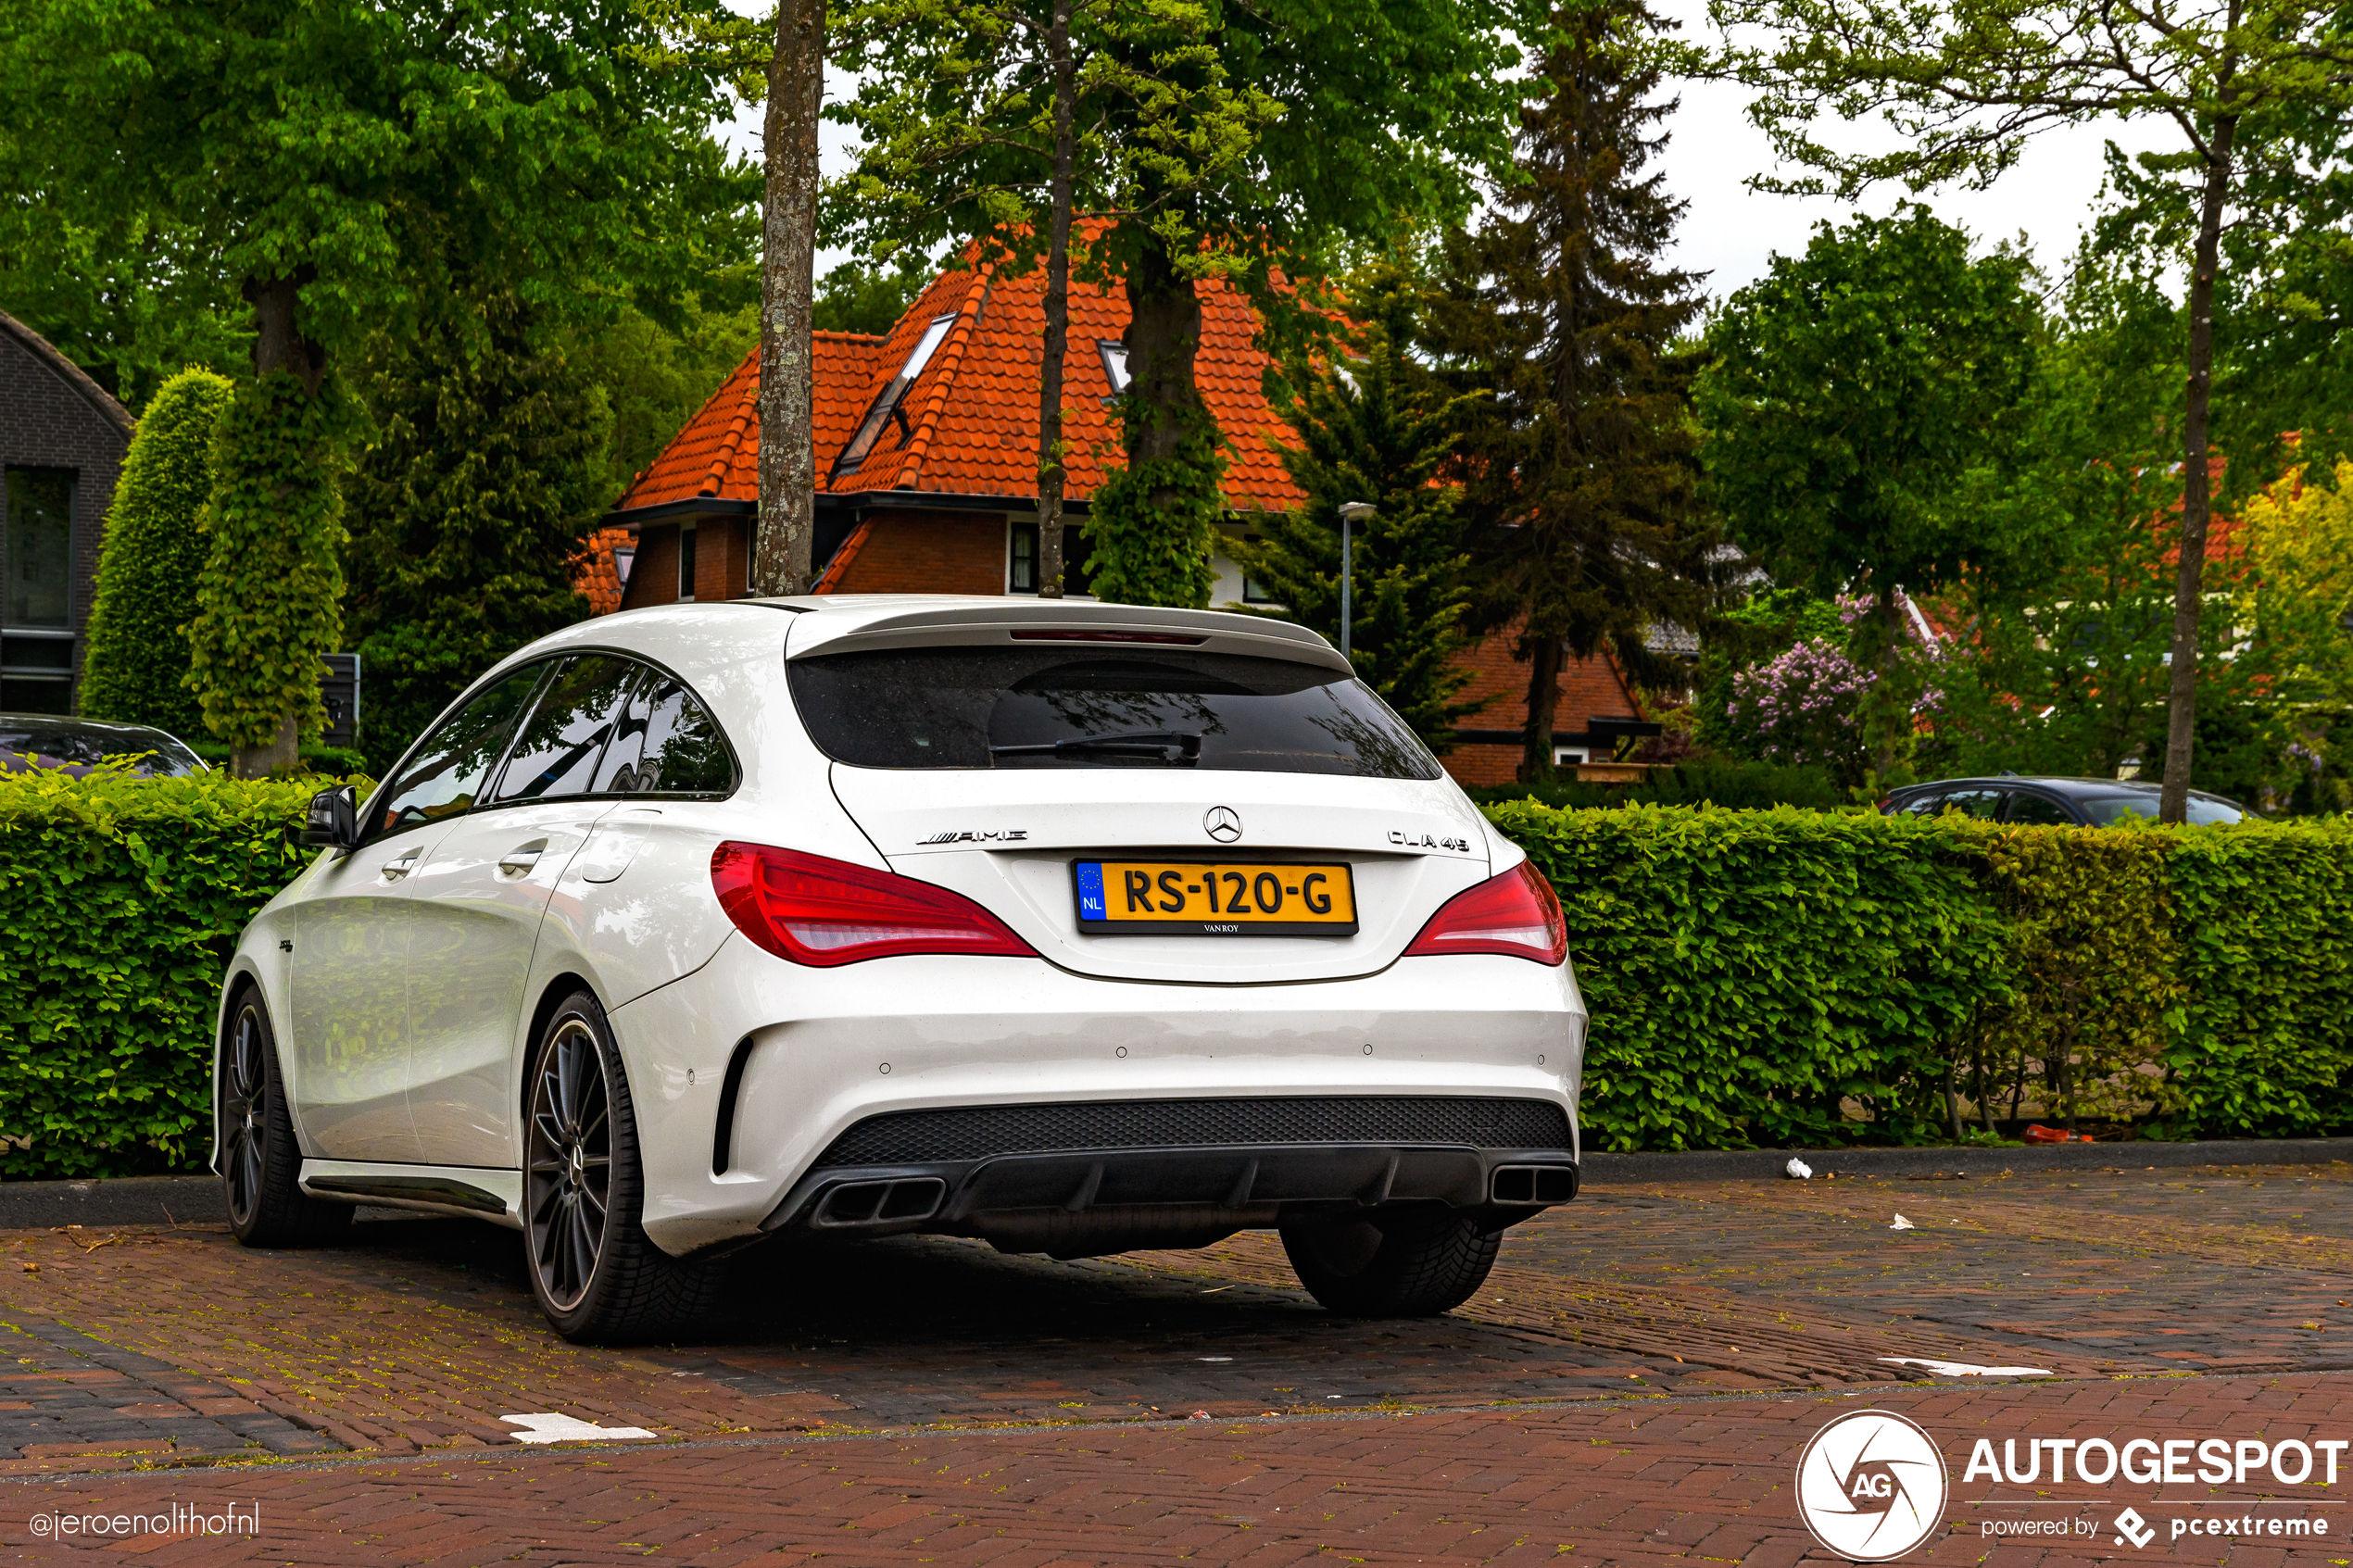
point(1093, 708)
point(75, 746)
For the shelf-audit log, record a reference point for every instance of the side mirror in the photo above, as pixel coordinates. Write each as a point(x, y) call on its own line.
point(333, 822)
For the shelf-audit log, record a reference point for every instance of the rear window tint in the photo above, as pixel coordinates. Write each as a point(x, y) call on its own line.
point(1100, 708)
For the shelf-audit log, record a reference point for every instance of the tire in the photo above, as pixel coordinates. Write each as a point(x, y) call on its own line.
point(260, 1162)
point(1415, 1263)
point(598, 1278)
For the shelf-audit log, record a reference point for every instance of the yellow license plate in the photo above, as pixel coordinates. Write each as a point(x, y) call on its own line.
point(1215, 899)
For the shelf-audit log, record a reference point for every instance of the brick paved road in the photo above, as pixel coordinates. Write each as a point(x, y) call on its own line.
point(1635, 1384)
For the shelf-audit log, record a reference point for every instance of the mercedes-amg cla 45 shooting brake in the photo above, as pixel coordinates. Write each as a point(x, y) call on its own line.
point(1072, 927)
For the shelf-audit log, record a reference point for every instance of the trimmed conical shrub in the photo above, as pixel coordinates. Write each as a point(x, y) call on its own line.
point(154, 547)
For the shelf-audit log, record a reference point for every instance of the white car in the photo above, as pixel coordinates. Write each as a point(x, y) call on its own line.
point(1072, 927)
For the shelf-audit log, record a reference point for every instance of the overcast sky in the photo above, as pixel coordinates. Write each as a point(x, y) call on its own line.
point(1727, 231)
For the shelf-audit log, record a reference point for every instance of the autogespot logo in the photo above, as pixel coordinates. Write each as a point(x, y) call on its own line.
point(1872, 1486)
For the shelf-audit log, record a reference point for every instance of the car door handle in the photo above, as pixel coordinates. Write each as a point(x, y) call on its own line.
point(401, 865)
point(523, 856)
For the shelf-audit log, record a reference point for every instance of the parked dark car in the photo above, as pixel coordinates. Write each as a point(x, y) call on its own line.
point(2083, 803)
point(30, 741)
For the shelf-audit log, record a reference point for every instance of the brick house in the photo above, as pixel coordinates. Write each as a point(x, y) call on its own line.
point(926, 446)
point(62, 440)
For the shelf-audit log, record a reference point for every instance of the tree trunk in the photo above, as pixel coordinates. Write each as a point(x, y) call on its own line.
point(788, 524)
point(278, 343)
point(2181, 717)
point(1544, 701)
point(1163, 334)
point(1050, 472)
point(1886, 713)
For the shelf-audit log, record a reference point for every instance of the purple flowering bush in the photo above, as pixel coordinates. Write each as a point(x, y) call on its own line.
point(1805, 704)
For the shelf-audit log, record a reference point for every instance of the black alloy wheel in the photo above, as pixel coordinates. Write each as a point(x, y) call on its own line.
point(598, 1278)
point(569, 1177)
point(260, 1162)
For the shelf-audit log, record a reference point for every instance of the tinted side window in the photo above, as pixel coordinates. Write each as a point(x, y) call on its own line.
point(1984, 804)
point(2039, 810)
point(446, 775)
point(1922, 804)
point(666, 743)
point(564, 739)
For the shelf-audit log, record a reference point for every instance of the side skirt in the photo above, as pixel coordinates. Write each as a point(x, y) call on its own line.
point(492, 1195)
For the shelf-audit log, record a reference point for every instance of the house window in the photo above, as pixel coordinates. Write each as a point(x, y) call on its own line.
point(39, 549)
point(687, 564)
point(1568, 756)
point(1253, 591)
point(886, 402)
point(1022, 560)
point(36, 671)
point(1021, 571)
point(1115, 357)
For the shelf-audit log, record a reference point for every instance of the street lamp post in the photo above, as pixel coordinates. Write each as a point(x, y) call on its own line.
point(1350, 511)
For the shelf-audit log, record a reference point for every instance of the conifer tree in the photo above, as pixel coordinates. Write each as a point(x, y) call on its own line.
point(1580, 473)
point(1378, 427)
point(155, 547)
point(468, 512)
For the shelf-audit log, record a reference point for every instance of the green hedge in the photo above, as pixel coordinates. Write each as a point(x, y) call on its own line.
point(1712, 782)
point(1755, 978)
point(120, 900)
point(1759, 978)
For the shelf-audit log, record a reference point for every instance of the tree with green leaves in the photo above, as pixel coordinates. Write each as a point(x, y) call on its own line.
point(1374, 425)
point(1022, 112)
point(1205, 142)
point(1849, 394)
point(154, 547)
point(339, 166)
point(2067, 594)
point(114, 294)
point(857, 297)
point(1966, 84)
point(656, 374)
point(2284, 314)
point(1579, 468)
point(469, 509)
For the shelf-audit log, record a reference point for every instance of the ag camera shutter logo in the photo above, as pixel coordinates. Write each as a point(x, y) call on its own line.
point(1872, 1486)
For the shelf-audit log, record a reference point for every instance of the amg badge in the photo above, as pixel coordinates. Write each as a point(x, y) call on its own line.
point(991, 836)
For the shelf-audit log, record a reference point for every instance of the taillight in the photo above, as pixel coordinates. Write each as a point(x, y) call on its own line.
point(823, 913)
point(1515, 913)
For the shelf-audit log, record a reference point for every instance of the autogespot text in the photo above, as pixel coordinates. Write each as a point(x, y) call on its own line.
point(2152, 1462)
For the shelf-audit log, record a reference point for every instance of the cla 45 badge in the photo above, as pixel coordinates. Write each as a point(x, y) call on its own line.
point(1405, 840)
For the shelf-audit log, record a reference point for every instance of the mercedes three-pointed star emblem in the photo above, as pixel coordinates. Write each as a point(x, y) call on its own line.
point(1222, 823)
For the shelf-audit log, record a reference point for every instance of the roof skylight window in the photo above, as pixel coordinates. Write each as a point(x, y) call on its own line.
point(886, 402)
point(1114, 354)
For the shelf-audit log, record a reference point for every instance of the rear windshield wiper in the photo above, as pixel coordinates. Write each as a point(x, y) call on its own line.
point(1184, 744)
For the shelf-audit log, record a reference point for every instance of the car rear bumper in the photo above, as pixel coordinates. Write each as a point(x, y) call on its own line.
point(750, 1076)
point(1081, 1177)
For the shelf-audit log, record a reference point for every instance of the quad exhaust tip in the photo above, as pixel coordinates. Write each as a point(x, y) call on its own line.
point(876, 1203)
point(1533, 1183)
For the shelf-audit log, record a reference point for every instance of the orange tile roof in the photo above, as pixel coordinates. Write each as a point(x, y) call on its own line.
point(717, 455)
point(597, 576)
point(971, 416)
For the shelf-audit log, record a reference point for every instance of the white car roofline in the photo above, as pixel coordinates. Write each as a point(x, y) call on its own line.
point(838, 624)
